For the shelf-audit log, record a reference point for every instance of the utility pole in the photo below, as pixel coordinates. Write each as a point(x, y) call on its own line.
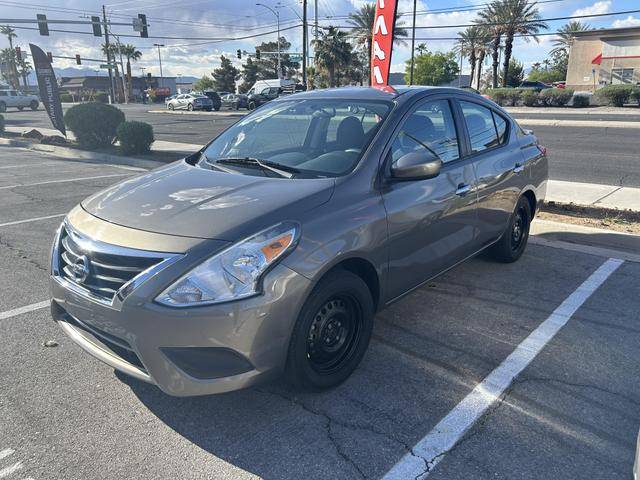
point(159, 45)
point(305, 50)
point(277, 14)
point(106, 44)
point(413, 42)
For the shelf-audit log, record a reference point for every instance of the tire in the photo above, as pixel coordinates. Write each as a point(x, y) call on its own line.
point(3, 107)
point(217, 109)
point(20, 108)
point(513, 242)
point(251, 106)
point(190, 107)
point(237, 107)
point(170, 106)
point(208, 109)
point(331, 334)
point(33, 105)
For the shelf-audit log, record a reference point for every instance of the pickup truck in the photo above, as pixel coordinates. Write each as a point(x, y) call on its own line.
point(17, 99)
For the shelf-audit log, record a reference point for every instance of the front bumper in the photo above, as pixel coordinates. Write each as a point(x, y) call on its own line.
point(193, 351)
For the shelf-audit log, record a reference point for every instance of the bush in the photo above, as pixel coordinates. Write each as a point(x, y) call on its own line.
point(616, 95)
point(93, 124)
point(513, 95)
point(581, 101)
point(556, 97)
point(498, 95)
point(1, 124)
point(102, 97)
point(135, 137)
point(635, 95)
point(530, 98)
point(66, 98)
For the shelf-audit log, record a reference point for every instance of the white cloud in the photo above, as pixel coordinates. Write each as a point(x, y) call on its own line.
point(595, 9)
point(630, 21)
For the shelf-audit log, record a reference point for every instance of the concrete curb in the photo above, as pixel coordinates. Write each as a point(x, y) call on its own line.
point(578, 123)
point(575, 111)
point(220, 113)
point(81, 155)
point(593, 195)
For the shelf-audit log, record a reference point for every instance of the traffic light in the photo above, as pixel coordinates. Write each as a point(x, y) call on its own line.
point(50, 57)
point(257, 54)
point(18, 54)
point(239, 53)
point(144, 33)
point(78, 61)
point(42, 24)
point(95, 23)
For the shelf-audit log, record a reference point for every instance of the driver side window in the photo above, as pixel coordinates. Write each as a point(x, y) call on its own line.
point(429, 127)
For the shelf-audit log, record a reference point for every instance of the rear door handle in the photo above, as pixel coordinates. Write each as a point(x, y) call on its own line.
point(463, 189)
point(519, 168)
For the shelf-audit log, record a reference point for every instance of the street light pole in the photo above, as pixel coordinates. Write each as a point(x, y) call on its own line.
point(277, 14)
point(413, 42)
point(160, 80)
point(305, 47)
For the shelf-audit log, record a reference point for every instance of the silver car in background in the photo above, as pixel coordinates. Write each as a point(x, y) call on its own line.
point(190, 101)
point(270, 250)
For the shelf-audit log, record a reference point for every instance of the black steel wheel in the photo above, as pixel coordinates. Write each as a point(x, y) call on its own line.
point(332, 332)
point(513, 242)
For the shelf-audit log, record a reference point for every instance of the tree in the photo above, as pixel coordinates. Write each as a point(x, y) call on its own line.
point(362, 31)
point(562, 43)
point(491, 20)
point(249, 75)
point(522, 18)
point(433, 68)
point(205, 83)
point(24, 67)
point(484, 47)
point(131, 53)
point(268, 63)
point(468, 45)
point(12, 78)
point(516, 73)
point(111, 53)
point(332, 52)
point(8, 58)
point(224, 77)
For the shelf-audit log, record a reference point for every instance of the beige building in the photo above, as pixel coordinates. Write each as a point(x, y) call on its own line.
point(603, 57)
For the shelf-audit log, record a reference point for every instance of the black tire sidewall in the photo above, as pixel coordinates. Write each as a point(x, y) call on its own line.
point(3, 107)
point(34, 105)
point(299, 371)
point(502, 250)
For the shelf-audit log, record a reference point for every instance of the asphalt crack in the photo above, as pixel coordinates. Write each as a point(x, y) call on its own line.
point(22, 254)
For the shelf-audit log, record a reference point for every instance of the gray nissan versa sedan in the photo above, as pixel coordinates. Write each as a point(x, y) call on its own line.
point(270, 250)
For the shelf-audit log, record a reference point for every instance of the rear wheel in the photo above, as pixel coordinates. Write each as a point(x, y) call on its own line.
point(513, 242)
point(33, 105)
point(3, 107)
point(332, 332)
point(170, 106)
point(252, 106)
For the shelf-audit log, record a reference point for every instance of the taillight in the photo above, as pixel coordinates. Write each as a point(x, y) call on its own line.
point(543, 150)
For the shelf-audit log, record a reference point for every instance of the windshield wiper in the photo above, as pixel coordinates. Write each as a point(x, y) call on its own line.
point(282, 170)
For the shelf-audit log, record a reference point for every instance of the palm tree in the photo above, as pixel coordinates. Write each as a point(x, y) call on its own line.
point(520, 17)
point(536, 65)
point(24, 67)
point(563, 42)
point(484, 47)
point(111, 53)
point(362, 33)
point(10, 33)
point(333, 51)
point(468, 45)
point(131, 53)
point(547, 63)
point(491, 20)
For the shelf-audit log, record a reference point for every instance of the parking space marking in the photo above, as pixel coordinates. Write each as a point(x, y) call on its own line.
point(34, 219)
point(26, 309)
point(64, 181)
point(38, 164)
point(588, 249)
point(432, 448)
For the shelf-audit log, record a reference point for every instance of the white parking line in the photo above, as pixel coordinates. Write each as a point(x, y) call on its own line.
point(429, 451)
point(5, 472)
point(28, 165)
point(6, 452)
point(65, 180)
point(26, 309)
point(34, 219)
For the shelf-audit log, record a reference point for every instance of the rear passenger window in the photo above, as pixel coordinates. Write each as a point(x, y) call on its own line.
point(481, 127)
point(429, 127)
point(501, 127)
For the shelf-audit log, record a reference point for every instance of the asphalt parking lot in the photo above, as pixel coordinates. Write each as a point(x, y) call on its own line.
point(434, 396)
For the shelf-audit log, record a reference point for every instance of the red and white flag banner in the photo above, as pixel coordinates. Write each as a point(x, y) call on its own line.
point(383, 26)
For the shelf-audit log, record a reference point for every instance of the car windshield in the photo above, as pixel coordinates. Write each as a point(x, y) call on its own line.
point(311, 138)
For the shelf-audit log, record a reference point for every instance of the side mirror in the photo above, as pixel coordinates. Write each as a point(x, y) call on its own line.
point(416, 166)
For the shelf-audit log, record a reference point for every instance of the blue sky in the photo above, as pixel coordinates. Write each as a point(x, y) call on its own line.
point(222, 19)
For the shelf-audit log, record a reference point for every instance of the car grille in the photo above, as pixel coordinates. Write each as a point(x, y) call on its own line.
point(96, 268)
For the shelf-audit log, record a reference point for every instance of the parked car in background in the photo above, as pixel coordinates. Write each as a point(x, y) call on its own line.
point(537, 86)
point(168, 99)
point(215, 99)
point(16, 99)
point(560, 84)
point(270, 249)
point(190, 101)
point(235, 101)
point(255, 99)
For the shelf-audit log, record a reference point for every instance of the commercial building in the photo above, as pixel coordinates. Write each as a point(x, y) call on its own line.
point(604, 57)
point(87, 85)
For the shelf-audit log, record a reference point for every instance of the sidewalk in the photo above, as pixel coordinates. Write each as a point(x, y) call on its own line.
point(576, 111)
point(587, 194)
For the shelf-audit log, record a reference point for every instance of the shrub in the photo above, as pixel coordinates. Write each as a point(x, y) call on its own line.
point(1, 124)
point(635, 95)
point(94, 124)
point(135, 137)
point(513, 95)
point(66, 98)
point(616, 95)
point(530, 98)
point(556, 97)
point(581, 101)
point(498, 95)
point(102, 97)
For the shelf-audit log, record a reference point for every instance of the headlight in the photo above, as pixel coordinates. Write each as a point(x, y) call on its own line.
point(235, 272)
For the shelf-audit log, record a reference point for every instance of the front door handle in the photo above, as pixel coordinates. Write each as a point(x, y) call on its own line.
point(518, 168)
point(463, 189)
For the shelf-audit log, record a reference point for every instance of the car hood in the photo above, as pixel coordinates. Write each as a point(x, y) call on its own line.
point(191, 201)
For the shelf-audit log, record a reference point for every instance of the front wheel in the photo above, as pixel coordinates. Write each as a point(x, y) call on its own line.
point(332, 332)
point(170, 106)
point(252, 106)
point(33, 105)
point(3, 107)
point(190, 107)
point(513, 242)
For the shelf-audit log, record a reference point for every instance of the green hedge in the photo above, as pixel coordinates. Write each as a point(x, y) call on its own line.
point(530, 98)
point(555, 97)
point(66, 97)
point(635, 95)
point(580, 101)
point(1, 124)
point(94, 124)
point(616, 95)
point(499, 95)
point(135, 137)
